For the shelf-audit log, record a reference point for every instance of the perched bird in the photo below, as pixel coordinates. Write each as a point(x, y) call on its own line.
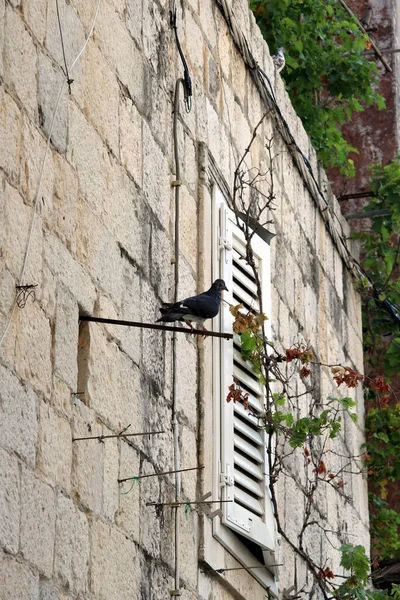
point(195, 309)
point(279, 59)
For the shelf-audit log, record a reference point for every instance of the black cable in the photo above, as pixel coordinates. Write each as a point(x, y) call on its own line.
point(186, 75)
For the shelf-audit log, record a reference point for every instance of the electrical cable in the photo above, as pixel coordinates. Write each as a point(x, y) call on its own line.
point(187, 82)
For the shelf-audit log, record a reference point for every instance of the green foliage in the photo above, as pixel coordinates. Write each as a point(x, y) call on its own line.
point(356, 561)
point(326, 75)
point(385, 528)
point(381, 261)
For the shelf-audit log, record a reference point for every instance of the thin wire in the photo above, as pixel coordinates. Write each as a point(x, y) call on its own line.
point(39, 187)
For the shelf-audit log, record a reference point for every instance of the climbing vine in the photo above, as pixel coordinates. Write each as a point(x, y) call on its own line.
point(326, 74)
point(380, 292)
point(300, 429)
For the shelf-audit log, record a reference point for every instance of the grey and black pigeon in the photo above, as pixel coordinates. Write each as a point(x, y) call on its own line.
point(195, 309)
point(279, 59)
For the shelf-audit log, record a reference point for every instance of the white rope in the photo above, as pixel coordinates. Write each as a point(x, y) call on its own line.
point(39, 187)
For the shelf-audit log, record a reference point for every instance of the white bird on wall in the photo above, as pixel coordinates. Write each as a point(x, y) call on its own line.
point(279, 59)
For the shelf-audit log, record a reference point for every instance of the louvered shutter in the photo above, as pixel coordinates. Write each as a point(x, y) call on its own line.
point(243, 469)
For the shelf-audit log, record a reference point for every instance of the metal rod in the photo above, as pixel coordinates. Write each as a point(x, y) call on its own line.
point(361, 26)
point(164, 473)
point(175, 504)
point(217, 334)
point(355, 195)
point(122, 434)
point(246, 568)
point(370, 214)
point(388, 51)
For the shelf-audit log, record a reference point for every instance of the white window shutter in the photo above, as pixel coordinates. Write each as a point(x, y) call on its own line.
point(243, 464)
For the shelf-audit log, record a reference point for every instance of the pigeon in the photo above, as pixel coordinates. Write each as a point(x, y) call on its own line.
point(279, 59)
point(195, 309)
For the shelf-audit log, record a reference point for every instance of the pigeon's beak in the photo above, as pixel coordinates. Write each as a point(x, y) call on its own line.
point(225, 288)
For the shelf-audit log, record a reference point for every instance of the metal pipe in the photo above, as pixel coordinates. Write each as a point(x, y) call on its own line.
point(175, 428)
point(227, 336)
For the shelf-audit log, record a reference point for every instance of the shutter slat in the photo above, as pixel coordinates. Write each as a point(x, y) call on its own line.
point(253, 487)
point(248, 449)
point(238, 257)
point(246, 366)
point(245, 414)
point(249, 502)
point(245, 298)
point(243, 376)
point(248, 466)
point(253, 435)
point(244, 280)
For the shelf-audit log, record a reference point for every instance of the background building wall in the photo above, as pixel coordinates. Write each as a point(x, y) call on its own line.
point(102, 244)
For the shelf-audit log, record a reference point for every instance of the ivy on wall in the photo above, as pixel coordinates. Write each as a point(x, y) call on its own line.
point(326, 74)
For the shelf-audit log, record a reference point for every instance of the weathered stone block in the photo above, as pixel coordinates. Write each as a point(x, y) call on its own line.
point(34, 12)
point(10, 133)
point(156, 177)
point(33, 347)
point(188, 454)
point(187, 379)
point(128, 515)
point(72, 546)
point(50, 81)
point(55, 447)
point(73, 32)
point(64, 207)
point(110, 478)
point(67, 270)
point(131, 139)
point(115, 570)
point(2, 12)
point(32, 156)
point(113, 382)
point(101, 108)
point(194, 45)
point(152, 33)
point(87, 463)
point(153, 353)
point(20, 60)
point(9, 502)
point(189, 228)
point(17, 219)
point(18, 423)
point(17, 580)
point(115, 41)
point(37, 522)
point(88, 155)
point(66, 337)
point(150, 526)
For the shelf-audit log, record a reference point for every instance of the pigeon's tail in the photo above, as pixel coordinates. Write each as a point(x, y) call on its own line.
point(166, 307)
point(169, 316)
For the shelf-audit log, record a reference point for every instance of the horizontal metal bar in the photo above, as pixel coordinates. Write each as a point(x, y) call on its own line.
point(117, 435)
point(354, 195)
point(370, 214)
point(175, 504)
point(164, 473)
point(246, 568)
point(217, 334)
point(388, 51)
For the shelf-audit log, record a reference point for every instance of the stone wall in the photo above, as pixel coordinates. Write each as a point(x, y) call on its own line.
point(102, 244)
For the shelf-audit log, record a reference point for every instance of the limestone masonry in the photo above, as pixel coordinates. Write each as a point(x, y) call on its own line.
point(102, 244)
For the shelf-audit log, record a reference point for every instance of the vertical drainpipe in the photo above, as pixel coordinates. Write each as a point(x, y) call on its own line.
point(175, 428)
point(187, 89)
